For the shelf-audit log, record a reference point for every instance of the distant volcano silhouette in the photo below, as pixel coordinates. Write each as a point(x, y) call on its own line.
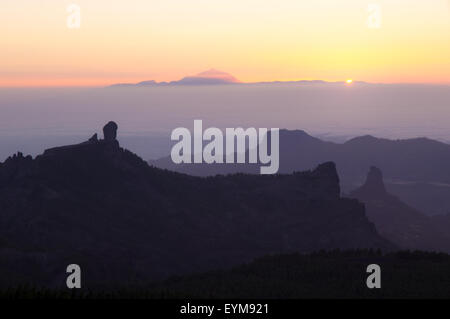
point(209, 77)
point(212, 76)
point(216, 77)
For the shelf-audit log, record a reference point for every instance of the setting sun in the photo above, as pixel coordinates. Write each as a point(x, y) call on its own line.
point(349, 81)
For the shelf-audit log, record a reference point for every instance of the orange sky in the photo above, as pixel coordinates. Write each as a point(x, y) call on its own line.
point(135, 40)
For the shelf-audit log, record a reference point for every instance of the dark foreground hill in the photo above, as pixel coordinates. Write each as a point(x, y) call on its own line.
point(104, 208)
point(335, 274)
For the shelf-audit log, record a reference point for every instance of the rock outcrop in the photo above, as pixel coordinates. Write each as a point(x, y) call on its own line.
point(373, 186)
point(110, 131)
point(396, 221)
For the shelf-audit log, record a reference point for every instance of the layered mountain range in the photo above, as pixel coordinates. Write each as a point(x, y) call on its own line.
point(100, 206)
point(416, 170)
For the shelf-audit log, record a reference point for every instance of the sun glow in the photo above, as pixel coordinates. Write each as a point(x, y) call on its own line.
point(135, 40)
point(349, 81)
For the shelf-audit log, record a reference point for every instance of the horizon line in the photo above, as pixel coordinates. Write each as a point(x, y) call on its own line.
point(132, 83)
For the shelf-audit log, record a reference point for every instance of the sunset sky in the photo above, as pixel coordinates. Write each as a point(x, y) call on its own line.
point(255, 40)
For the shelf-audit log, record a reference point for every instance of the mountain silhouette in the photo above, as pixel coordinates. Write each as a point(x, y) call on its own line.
point(425, 159)
point(102, 207)
point(216, 77)
point(415, 167)
point(209, 77)
point(398, 222)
